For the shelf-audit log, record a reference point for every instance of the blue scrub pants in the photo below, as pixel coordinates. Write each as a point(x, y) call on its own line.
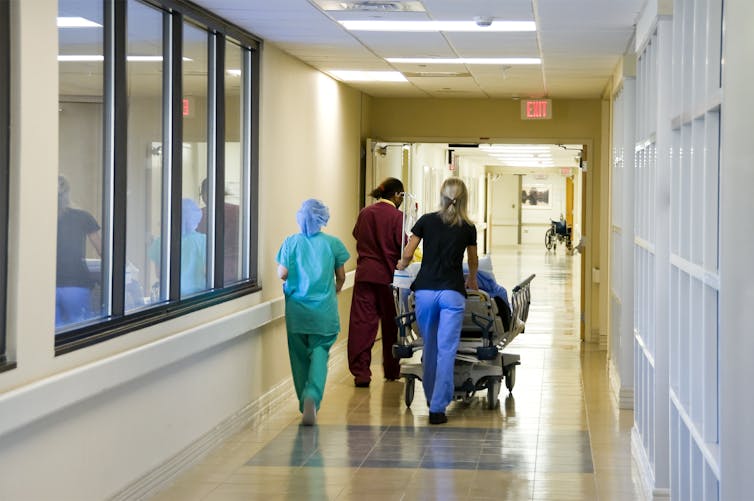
point(308, 354)
point(439, 315)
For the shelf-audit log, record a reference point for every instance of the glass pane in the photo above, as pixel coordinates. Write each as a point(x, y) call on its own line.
point(4, 147)
point(195, 134)
point(80, 204)
point(145, 160)
point(234, 128)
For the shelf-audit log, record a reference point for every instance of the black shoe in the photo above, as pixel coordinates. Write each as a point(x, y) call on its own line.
point(437, 418)
point(361, 384)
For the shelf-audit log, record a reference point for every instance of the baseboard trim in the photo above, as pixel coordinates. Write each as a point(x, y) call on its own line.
point(646, 473)
point(624, 396)
point(255, 412)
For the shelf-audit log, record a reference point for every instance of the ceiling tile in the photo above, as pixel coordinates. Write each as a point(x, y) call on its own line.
point(580, 42)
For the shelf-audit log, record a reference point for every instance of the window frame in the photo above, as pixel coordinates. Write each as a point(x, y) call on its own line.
point(116, 320)
point(4, 172)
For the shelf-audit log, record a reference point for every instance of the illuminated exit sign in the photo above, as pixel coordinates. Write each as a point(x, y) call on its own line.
point(536, 109)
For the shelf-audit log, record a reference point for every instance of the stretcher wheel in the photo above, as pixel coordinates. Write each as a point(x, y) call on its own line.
point(493, 390)
point(410, 384)
point(510, 377)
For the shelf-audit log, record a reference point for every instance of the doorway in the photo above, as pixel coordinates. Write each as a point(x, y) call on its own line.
point(515, 190)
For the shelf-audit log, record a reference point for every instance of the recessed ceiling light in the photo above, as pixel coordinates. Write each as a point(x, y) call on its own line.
point(368, 76)
point(465, 60)
point(77, 22)
point(381, 25)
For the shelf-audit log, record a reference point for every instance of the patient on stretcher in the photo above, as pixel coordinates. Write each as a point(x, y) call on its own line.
point(487, 282)
point(485, 279)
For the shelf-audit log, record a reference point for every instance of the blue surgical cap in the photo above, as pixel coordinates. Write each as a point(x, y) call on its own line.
point(312, 216)
point(191, 215)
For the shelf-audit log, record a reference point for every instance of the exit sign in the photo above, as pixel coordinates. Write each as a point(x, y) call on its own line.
point(536, 109)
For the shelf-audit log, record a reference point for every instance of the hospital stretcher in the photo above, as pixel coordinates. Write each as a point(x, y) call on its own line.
point(480, 364)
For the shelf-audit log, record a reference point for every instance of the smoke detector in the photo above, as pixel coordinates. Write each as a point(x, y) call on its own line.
point(483, 21)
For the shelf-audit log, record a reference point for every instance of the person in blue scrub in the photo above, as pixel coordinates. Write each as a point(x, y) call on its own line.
point(311, 263)
point(440, 289)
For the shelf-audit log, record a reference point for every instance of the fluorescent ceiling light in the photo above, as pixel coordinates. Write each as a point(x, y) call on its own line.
point(368, 76)
point(519, 156)
point(93, 58)
point(234, 73)
point(527, 165)
point(518, 148)
point(465, 60)
point(379, 25)
point(80, 58)
point(144, 59)
point(77, 22)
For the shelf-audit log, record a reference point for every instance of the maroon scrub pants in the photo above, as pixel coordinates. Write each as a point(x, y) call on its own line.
point(371, 305)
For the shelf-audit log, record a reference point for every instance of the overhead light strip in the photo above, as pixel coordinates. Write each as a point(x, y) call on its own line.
point(465, 60)
point(514, 147)
point(368, 76)
point(424, 26)
point(94, 58)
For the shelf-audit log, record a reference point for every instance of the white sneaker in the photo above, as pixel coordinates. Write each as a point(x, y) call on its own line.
point(310, 412)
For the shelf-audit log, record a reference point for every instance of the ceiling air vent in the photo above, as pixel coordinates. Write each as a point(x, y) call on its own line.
point(370, 6)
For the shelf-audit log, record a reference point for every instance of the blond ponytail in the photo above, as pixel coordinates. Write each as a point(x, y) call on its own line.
point(453, 202)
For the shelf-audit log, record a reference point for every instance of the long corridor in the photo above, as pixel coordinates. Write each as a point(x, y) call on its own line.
point(558, 436)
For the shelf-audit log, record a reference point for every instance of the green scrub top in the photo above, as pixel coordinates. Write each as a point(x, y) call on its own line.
point(311, 306)
point(193, 261)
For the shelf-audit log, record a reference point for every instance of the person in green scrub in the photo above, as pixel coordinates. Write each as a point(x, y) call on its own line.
point(193, 250)
point(311, 263)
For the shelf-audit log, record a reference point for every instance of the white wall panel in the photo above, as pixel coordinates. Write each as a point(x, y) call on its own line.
point(651, 255)
point(620, 342)
point(694, 218)
point(736, 344)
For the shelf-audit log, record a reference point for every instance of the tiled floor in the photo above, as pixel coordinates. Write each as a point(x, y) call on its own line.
point(558, 436)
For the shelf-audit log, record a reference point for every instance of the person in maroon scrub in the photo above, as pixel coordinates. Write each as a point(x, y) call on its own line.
point(231, 273)
point(379, 234)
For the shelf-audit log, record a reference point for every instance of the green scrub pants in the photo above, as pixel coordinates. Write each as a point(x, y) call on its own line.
point(309, 354)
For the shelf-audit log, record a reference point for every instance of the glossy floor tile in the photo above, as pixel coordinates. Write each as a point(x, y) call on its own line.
point(557, 436)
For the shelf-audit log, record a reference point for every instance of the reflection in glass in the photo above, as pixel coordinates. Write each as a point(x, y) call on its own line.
point(193, 249)
point(195, 133)
point(76, 275)
point(145, 159)
point(80, 204)
point(234, 128)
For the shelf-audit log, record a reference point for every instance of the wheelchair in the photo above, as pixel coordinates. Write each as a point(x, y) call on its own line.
point(558, 233)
